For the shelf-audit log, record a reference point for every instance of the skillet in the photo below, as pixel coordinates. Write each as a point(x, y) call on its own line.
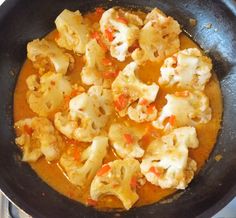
point(215, 185)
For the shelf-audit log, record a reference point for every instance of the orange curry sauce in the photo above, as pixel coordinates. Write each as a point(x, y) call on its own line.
point(54, 176)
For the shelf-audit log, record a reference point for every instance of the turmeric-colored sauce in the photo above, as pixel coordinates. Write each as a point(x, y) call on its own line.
point(54, 176)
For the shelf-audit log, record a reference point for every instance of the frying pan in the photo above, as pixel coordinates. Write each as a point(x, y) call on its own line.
point(215, 185)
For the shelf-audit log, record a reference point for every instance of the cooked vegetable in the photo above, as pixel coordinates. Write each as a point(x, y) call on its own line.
point(46, 94)
point(38, 137)
point(44, 53)
point(128, 89)
point(187, 69)
point(184, 111)
point(81, 172)
point(117, 181)
point(73, 31)
point(125, 140)
point(88, 114)
point(121, 30)
point(166, 162)
point(158, 39)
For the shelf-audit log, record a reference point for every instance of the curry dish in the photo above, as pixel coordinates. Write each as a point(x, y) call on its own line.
point(116, 108)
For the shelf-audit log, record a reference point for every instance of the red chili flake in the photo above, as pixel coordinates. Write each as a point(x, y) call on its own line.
point(121, 102)
point(28, 129)
point(150, 108)
point(110, 74)
point(122, 20)
point(109, 33)
point(91, 202)
point(171, 120)
point(106, 62)
point(154, 171)
point(133, 47)
point(128, 138)
point(105, 168)
point(143, 102)
point(76, 153)
point(133, 183)
point(95, 35)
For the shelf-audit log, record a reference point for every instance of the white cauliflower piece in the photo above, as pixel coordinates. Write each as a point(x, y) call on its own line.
point(128, 89)
point(124, 28)
point(38, 137)
point(117, 178)
point(166, 162)
point(187, 68)
point(44, 53)
point(91, 72)
point(159, 37)
point(81, 172)
point(98, 69)
point(188, 110)
point(88, 114)
point(46, 94)
point(125, 140)
point(73, 31)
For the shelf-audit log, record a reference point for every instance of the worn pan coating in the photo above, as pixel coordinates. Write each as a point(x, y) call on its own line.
point(24, 20)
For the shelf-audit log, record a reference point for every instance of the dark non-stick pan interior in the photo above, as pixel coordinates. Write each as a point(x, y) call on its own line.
point(22, 21)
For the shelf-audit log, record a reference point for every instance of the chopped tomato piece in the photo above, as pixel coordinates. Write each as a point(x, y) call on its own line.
point(133, 182)
point(150, 108)
point(128, 138)
point(28, 130)
point(122, 20)
point(106, 62)
point(144, 102)
point(91, 202)
point(99, 11)
point(103, 170)
point(171, 120)
point(154, 171)
point(110, 74)
point(182, 94)
point(76, 153)
point(109, 34)
point(121, 102)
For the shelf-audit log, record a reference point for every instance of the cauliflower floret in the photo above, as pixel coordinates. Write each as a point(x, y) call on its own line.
point(125, 140)
point(187, 68)
point(88, 114)
point(117, 178)
point(91, 72)
point(123, 28)
point(38, 137)
point(166, 162)
point(158, 38)
point(127, 89)
point(40, 52)
point(46, 94)
point(73, 31)
point(95, 72)
point(81, 172)
point(191, 109)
